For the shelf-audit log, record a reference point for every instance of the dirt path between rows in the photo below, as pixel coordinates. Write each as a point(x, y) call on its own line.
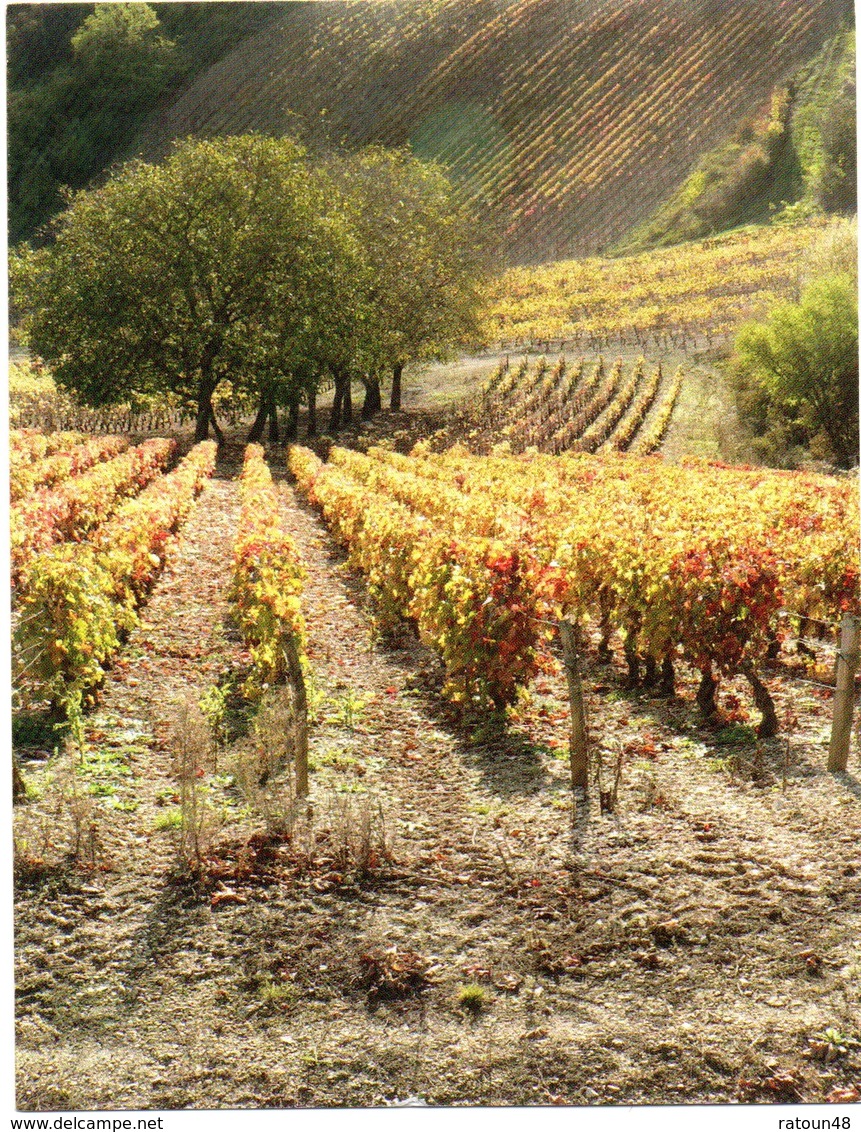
point(688, 948)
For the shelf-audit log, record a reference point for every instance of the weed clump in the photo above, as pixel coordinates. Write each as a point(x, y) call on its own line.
point(193, 757)
point(392, 974)
point(263, 766)
point(473, 998)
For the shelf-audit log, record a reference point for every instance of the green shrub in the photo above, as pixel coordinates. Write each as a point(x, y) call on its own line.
point(799, 369)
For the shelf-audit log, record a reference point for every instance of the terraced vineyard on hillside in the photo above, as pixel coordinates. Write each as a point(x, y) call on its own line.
point(559, 117)
point(687, 296)
point(571, 405)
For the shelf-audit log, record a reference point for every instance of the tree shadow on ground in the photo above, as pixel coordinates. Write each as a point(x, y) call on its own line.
point(852, 784)
point(174, 918)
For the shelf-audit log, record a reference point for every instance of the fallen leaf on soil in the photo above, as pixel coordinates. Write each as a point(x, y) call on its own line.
point(649, 959)
point(844, 1096)
point(572, 962)
point(393, 974)
point(668, 932)
point(511, 983)
point(226, 897)
point(823, 1051)
point(811, 960)
point(478, 971)
point(783, 1083)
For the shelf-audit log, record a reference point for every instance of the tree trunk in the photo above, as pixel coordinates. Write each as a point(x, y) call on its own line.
point(293, 418)
point(373, 401)
point(274, 431)
point(201, 427)
point(337, 402)
point(342, 405)
point(255, 433)
point(205, 388)
point(397, 373)
point(219, 435)
point(312, 412)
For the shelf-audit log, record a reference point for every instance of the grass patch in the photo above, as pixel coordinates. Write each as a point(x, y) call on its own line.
point(170, 819)
point(473, 998)
point(129, 806)
point(107, 762)
point(274, 994)
point(348, 710)
point(352, 787)
point(738, 735)
point(102, 789)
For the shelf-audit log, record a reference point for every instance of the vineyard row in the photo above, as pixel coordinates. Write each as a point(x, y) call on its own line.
point(571, 407)
point(76, 600)
point(691, 562)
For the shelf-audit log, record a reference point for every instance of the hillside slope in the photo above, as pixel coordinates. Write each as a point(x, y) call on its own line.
point(570, 121)
point(800, 153)
point(73, 110)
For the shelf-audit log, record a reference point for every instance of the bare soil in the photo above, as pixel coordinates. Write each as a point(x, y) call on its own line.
point(700, 944)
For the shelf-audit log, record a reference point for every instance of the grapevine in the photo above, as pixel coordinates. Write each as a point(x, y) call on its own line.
point(62, 463)
point(268, 577)
point(638, 547)
point(78, 599)
point(72, 508)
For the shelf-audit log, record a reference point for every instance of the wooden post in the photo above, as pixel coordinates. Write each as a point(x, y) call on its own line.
point(844, 696)
point(296, 678)
point(578, 743)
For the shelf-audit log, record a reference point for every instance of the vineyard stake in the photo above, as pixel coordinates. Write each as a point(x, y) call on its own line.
point(844, 696)
point(296, 678)
point(578, 744)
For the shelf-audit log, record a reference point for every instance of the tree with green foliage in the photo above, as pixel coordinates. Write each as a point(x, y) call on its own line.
point(836, 182)
point(64, 129)
point(804, 360)
point(38, 39)
point(241, 260)
point(83, 78)
point(425, 263)
point(156, 281)
point(121, 53)
point(401, 282)
point(304, 343)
